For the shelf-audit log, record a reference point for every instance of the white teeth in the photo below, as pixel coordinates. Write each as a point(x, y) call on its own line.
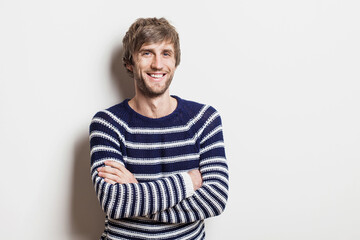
point(156, 75)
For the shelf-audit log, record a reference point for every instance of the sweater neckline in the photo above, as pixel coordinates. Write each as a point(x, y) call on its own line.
point(167, 117)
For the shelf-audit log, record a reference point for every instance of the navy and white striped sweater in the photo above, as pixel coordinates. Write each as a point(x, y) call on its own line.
point(160, 152)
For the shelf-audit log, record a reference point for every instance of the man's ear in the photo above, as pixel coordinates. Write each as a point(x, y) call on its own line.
point(129, 67)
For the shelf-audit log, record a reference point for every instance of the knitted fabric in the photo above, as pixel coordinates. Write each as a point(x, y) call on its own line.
point(160, 152)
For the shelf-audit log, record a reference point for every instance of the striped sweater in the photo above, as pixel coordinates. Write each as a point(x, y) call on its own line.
point(160, 152)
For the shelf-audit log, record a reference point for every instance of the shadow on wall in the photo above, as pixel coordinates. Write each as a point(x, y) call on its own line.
point(87, 218)
point(120, 76)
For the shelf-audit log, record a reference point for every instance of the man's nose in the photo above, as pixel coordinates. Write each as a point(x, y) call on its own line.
point(157, 62)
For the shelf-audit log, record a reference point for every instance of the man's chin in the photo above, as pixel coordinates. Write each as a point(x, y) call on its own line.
point(153, 89)
point(154, 94)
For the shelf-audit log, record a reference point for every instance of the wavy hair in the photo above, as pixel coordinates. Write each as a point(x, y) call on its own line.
point(149, 30)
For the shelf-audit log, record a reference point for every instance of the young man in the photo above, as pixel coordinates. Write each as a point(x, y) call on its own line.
point(157, 161)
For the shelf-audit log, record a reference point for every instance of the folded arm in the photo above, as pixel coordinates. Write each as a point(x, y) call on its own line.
point(114, 172)
point(170, 199)
point(130, 199)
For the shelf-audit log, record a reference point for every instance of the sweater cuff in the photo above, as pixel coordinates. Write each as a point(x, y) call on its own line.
point(189, 187)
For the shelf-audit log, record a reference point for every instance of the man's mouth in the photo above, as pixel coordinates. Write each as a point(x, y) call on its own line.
point(156, 75)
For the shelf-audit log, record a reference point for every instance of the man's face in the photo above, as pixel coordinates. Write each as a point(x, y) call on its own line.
point(154, 68)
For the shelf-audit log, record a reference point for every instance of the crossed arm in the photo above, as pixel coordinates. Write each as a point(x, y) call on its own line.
point(178, 198)
point(114, 172)
point(188, 210)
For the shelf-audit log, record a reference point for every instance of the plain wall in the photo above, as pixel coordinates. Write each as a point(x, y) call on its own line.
point(284, 76)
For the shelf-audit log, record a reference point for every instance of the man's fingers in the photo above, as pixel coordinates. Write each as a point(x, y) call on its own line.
point(109, 181)
point(109, 176)
point(115, 171)
point(120, 167)
point(116, 165)
point(108, 169)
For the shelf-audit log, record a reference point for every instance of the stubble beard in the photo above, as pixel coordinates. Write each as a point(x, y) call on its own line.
point(150, 92)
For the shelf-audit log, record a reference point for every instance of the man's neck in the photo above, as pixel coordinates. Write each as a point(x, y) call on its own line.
point(156, 107)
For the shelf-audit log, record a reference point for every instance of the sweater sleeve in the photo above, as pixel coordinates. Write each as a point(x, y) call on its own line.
point(130, 200)
point(210, 199)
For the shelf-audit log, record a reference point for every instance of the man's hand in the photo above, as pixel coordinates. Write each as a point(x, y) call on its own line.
point(114, 172)
point(196, 178)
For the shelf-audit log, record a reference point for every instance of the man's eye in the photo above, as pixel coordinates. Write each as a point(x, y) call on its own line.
point(167, 54)
point(146, 53)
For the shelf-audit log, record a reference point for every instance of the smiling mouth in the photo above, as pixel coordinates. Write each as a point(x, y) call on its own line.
point(156, 76)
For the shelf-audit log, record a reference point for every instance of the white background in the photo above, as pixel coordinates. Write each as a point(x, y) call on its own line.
point(283, 74)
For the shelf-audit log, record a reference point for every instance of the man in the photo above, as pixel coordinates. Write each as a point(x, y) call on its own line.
point(157, 161)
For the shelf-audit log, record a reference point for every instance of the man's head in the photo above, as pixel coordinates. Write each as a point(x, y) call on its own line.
point(147, 31)
point(151, 55)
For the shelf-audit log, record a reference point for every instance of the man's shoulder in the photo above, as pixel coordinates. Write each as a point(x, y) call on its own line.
point(196, 107)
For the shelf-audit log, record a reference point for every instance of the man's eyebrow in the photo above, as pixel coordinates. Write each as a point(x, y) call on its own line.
point(152, 49)
point(168, 50)
point(145, 49)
